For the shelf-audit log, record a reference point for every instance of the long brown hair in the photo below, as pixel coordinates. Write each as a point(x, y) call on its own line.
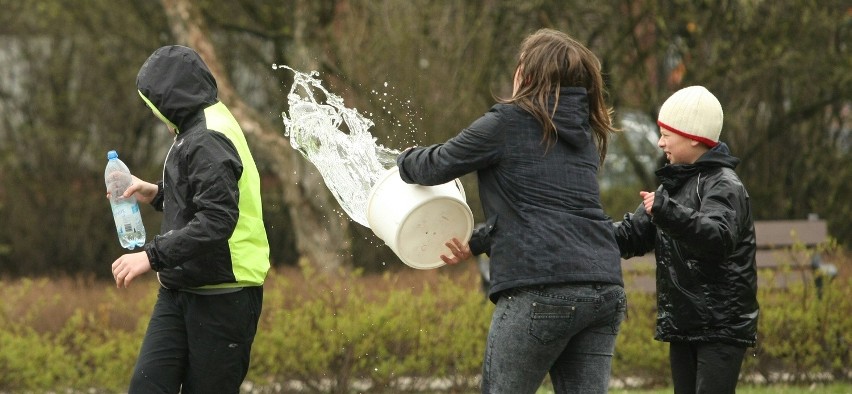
point(550, 59)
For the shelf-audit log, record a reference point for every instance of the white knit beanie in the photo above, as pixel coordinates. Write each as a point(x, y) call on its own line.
point(694, 113)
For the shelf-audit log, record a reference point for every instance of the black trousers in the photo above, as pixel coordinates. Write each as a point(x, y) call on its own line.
point(705, 367)
point(198, 343)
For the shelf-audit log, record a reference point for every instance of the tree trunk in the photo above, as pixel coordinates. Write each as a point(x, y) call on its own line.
point(321, 234)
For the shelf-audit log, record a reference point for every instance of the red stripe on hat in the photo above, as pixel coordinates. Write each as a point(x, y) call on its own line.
point(705, 141)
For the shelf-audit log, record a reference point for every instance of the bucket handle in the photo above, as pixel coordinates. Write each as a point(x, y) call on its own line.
point(461, 189)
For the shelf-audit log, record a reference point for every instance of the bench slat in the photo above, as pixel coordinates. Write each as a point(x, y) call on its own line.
point(783, 233)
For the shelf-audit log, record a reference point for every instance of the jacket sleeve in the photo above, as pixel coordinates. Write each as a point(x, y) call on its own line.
point(711, 230)
point(476, 147)
point(157, 201)
point(635, 233)
point(212, 168)
point(480, 240)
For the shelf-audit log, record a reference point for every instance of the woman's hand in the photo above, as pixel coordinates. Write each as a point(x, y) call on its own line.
point(460, 252)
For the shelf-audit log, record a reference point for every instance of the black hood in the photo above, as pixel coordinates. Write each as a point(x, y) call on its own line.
point(572, 117)
point(177, 83)
point(718, 156)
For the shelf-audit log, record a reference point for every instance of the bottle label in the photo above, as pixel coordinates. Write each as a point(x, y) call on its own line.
point(123, 214)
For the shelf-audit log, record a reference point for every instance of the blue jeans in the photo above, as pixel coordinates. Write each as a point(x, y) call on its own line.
point(567, 330)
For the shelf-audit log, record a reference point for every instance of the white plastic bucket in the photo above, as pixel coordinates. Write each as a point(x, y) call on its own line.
point(416, 221)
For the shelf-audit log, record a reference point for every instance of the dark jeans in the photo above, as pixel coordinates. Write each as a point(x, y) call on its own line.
point(566, 330)
point(705, 367)
point(198, 343)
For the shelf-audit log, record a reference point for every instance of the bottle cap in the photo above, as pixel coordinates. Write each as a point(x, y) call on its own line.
point(112, 155)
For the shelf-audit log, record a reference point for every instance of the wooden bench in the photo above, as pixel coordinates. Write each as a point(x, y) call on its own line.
point(784, 247)
point(789, 249)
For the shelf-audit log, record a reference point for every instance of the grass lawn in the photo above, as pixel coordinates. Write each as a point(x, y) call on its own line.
point(834, 388)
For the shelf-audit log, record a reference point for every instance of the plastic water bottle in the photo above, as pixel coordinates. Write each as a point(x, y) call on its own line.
point(125, 211)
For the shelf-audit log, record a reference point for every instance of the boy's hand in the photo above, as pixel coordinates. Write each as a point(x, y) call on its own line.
point(145, 191)
point(129, 266)
point(648, 201)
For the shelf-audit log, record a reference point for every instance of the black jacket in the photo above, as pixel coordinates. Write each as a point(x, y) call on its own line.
point(542, 204)
point(212, 233)
point(702, 233)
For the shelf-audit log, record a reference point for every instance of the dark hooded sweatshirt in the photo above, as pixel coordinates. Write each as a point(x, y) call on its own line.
point(702, 233)
point(542, 204)
point(212, 235)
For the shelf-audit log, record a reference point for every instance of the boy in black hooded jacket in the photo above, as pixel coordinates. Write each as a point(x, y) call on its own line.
point(212, 255)
point(700, 226)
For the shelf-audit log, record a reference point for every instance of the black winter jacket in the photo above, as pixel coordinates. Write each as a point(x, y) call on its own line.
point(545, 218)
point(212, 235)
point(703, 235)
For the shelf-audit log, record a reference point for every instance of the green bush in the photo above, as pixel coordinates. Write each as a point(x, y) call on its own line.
point(804, 332)
point(335, 332)
point(29, 360)
point(87, 351)
point(637, 354)
point(338, 333)
point(100, 356)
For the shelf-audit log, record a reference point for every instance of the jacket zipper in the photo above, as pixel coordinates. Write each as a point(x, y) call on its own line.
point(165, 163)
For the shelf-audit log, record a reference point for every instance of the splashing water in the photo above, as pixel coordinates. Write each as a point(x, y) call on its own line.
point(350, 163)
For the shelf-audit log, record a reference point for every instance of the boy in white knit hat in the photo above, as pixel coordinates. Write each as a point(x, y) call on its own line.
point(700, 226)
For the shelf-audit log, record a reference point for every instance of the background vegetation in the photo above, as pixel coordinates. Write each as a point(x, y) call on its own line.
point(422, 70)
point(412, 331)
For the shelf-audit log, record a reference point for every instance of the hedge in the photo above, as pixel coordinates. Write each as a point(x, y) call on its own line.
point(343, 331)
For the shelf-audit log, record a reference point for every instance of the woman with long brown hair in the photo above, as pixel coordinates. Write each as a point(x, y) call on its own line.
point(555, 270)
